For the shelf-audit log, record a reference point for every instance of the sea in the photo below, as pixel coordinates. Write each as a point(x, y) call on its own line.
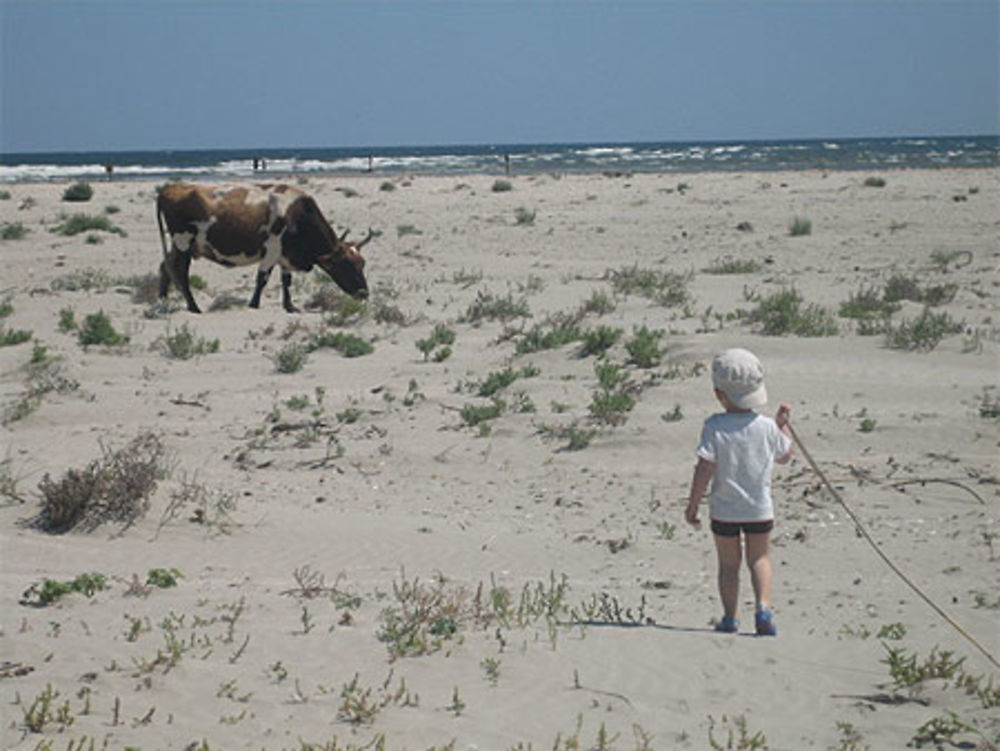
point(225, 164)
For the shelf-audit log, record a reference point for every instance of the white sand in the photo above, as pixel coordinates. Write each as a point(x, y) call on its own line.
point(417, 496)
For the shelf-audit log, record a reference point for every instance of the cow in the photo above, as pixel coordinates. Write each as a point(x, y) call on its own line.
point(264, 224)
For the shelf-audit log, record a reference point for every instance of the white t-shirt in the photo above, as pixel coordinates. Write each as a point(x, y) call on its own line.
point(743, 446)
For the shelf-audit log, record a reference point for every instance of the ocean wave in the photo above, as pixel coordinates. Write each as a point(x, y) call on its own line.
point(965, 151)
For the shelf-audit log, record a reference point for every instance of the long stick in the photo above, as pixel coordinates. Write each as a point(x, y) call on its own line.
point(864, 533)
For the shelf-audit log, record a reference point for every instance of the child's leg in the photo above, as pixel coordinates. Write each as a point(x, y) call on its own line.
point(759, 562)
point(730, 557)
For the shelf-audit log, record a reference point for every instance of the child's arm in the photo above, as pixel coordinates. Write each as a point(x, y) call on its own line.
point(703, 472)
point(781, 420)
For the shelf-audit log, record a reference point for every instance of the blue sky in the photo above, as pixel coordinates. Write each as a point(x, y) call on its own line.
point(147, 74)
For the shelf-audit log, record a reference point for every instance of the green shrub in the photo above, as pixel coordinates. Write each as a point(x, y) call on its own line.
point(407, 229)
point(558, 334)
point(875, 182)
point(49, 590)
point(730, 265)
point(924, 332)
point(598, 303)
point(387, 187)
point(14, 231)
point(97, 329)
point(524, 217)
point(474, 414)
point(4, 195)
point(901, 287)
point(183, 344)
point(611, 407)
point(867, 304)
point(74, 225)
point(12, 337)
point(163, 578)
point(348, 345)
point(598, 341)
point(783, 313)
point(290, 358)
point(662, 287)
point(112, 209)
point(67, 320)
point(644, 347)
point(442, 337)
point(6, 309)
point(493, 307)
point(78, 192)
point(800, 227)
point(502, 186)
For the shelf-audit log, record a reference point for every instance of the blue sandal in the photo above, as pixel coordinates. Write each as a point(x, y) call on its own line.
point(727, 625)
point(764, 622)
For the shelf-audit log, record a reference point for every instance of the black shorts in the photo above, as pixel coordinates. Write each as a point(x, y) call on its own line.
point(732, 529)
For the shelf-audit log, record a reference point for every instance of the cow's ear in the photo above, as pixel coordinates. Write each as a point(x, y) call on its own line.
point(332, 255)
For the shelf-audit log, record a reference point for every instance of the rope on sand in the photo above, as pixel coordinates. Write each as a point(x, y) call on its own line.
point(864, 533)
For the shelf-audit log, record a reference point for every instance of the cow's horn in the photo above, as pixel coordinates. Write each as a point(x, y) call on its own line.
point(344, 236)
point(369, 236)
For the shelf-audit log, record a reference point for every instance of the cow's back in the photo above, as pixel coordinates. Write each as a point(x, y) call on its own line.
point(226, 225)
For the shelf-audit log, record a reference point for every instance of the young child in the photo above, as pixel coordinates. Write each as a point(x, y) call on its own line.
point(737, 452)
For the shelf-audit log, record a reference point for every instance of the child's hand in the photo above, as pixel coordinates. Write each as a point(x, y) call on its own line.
point(783, 416)
point(691, 516)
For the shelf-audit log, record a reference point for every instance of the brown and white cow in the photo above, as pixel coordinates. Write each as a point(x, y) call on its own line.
point(264, 224)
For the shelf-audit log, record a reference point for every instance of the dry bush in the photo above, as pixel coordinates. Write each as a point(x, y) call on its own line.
point(114, 488)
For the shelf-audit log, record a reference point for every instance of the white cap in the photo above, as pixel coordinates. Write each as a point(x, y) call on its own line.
point(739, 375)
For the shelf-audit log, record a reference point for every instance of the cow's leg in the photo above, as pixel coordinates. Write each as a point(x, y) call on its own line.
point(164, 279)
point(262, 276)
point(178, 266)
point(286, 291)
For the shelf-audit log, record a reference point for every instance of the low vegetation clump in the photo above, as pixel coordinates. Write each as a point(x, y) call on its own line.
point(662, 287)
point(902, 287)
point(783, 313)
point(348, 345)
point(875, 182)
point(48, 591)
point(502, 186)
point(800, 227)
point(184, 344)
point(113, 488)
point(78, 192)
point(79, 223)
point(599, 340)
point(291, 358)
point(474, 415)
point(45, 375)
point(524, 217)
point(613, 400)
point(98, 329)
point(491, 307)
point(643, 348)
point(11, 337)
point(924, 332)
point(439, 343)
point(730, 265)
point(559, 331)
point(501, 379)
point(867, 304)
point(13, 231)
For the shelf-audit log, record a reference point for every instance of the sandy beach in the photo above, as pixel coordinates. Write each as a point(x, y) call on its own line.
point(470, 534)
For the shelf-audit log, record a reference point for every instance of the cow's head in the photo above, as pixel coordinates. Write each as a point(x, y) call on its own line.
point(310, 240)
point(346, 265)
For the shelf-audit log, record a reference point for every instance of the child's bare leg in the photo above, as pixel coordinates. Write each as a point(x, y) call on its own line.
point(759, 562)
point(730, 557)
